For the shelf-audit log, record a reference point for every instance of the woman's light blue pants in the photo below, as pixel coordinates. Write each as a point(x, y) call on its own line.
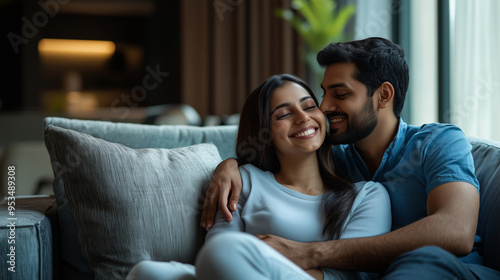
point(231, 255)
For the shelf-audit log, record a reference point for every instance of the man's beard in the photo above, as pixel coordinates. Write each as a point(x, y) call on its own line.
point(358, 126)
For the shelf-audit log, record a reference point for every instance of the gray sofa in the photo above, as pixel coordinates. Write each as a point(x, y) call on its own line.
point(127, 192)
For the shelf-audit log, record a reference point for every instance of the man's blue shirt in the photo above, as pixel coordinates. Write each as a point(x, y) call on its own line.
point(417, 160)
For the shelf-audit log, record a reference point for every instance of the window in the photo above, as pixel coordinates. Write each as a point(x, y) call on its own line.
point(475, 67)
point(423, 61)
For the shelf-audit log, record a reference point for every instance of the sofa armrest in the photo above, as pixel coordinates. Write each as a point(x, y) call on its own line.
point(27, 238)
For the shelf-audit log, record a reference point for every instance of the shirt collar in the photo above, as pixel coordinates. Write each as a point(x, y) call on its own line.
point(394, 149)
point(399, 141)
point(397, 144)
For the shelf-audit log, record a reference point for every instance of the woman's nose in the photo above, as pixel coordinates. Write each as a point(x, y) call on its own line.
point(302, 116)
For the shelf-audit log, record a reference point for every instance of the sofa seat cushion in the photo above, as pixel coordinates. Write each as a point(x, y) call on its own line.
point(28, 232)
point(131, 204)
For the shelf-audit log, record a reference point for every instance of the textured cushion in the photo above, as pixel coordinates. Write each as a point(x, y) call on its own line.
point(137, 136)
point(487, 163)
point(131, 204)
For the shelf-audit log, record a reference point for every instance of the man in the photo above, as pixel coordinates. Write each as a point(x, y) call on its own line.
point(428, 172)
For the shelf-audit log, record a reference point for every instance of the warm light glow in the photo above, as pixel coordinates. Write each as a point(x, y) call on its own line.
point(76, 47)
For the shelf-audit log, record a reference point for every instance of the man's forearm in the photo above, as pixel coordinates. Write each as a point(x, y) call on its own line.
point(377, 252)
point(363, 254)
point(453, 209)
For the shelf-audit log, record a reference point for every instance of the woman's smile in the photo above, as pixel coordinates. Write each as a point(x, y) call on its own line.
point(306, 132)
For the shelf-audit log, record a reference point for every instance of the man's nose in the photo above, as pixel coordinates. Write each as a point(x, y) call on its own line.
point(328, 104)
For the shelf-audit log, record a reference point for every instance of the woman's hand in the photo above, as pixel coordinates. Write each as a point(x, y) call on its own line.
point(226, 180)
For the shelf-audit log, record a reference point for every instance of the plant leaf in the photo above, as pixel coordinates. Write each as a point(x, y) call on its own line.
point(317, 22)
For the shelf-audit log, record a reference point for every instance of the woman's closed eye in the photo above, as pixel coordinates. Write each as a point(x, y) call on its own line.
point(282, 116)
point(309, 105)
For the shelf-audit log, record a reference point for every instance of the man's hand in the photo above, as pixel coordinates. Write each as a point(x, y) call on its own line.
point(226, 180)
point(293, 250)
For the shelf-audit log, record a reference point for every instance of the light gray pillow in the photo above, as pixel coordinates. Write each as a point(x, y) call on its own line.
point(132, 204)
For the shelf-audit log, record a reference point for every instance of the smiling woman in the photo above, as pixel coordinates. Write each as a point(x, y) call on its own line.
point(297, 124)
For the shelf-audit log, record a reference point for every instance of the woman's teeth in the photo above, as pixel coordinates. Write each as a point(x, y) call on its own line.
point(305, 133)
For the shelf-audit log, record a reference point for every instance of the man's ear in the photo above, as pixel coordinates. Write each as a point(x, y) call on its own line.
point(386, 94)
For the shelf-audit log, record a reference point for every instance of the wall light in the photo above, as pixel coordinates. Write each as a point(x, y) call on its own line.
point(76, 47)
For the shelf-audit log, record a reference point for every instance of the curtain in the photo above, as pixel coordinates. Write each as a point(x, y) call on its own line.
point(228, 47)
point(475, 67)
point(374, 18)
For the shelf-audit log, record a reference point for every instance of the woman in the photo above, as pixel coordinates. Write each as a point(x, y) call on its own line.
point(289, 190)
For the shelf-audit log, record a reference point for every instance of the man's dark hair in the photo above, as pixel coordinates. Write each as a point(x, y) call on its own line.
point(377, 60)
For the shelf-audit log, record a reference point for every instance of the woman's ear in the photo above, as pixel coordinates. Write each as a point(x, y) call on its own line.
point(386, 95)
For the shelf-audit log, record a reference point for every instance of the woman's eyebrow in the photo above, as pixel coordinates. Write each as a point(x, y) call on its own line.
point(280, 106)
point(305, 98)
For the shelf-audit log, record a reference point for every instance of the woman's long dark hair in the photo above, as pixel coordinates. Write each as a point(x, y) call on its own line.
point(253, 145)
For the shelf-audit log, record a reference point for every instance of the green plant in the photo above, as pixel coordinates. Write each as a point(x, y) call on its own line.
point(319, 23)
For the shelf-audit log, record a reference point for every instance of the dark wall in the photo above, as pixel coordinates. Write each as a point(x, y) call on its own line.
point(164, 45)
point(10, 60)
point(25, 22)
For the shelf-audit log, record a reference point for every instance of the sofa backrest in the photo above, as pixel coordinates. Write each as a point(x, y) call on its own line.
point(139, 136)
point(486, 156)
